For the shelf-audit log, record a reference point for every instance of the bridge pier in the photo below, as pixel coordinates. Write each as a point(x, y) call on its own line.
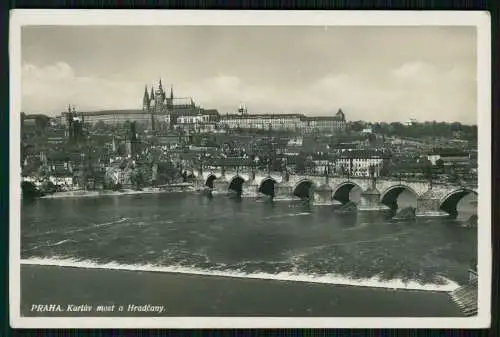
point(428, 204)
point(283, 191)
point(199, 183)
point(370, 200)
point(220, 185)
point(323, 194)
point(250, 188)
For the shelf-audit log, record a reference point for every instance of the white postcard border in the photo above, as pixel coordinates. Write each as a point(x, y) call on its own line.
point(481, 20)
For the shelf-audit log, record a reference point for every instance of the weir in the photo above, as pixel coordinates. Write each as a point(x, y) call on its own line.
point(466, 297)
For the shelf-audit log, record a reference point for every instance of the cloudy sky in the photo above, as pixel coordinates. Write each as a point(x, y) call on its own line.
point(372, 73)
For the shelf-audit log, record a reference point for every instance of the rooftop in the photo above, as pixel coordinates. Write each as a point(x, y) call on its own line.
point(363, 153)
point(291, 115)
point(111, 112)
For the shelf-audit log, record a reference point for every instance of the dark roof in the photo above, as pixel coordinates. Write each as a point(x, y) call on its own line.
point(35, 116)
point(214, 112)
point(449, 154)
point(255, 116)
point(322, 118)
point(292, 115)
point(233, 161)
point(363, 154)
point(112, 112)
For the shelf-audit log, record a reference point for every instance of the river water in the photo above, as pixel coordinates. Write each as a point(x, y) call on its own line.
point(249, 237)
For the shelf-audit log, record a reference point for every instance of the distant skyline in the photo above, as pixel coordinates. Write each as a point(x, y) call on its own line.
point(373, 73)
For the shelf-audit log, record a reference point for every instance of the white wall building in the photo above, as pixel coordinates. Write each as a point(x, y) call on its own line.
point(358, 162)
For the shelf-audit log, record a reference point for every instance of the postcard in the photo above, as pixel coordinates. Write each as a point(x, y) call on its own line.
point(216, 169)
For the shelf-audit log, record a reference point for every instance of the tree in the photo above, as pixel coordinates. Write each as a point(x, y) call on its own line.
point(386, 169)
point(426, 167)
point(137, 178)
point(371, 138)
point(357, 126)
point(41, 123)
point(167, 172)
point(100, 126)
point(29, 189)
point(300, 163)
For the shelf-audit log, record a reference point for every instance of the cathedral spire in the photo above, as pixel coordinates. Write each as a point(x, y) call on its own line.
point(171, 91)
point(152, 93)
point(160, 86)
point(145, 100)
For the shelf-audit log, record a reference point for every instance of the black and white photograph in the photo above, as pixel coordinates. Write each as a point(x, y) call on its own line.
point(250, 169)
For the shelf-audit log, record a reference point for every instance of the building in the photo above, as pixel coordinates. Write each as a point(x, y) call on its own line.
point(410, 122)
point(158, 110)
point(132, 143)
point(449, 158)
point(324, 124)
point(295, 142)
point(73, 124)
point(173, 110)
point(283, 122)
point(116, 116)
point(357, 163)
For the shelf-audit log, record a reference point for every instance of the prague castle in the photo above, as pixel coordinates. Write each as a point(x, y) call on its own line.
point(163, 111)
point(159, 111)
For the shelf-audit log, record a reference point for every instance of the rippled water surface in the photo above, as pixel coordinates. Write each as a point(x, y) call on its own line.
point(249, 237)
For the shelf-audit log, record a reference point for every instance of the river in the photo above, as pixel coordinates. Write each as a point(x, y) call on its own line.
point(249, 237)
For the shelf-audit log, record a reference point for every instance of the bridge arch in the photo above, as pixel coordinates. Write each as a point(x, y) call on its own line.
point(450, 201)
point(209, 182)
point(236, 184)
point(342, 191)
point(267, 186)
point(390, 196)
point(304, 188)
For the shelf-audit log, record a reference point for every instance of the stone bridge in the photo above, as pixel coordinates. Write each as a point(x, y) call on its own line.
point(435, 199)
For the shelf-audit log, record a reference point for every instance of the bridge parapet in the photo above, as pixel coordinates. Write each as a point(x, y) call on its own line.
point(429, 199)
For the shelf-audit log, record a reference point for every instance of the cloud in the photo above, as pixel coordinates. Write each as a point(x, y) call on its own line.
point(51, 88)
point(412, 89)
point(413, 70)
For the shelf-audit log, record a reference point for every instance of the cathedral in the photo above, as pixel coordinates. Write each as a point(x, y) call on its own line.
point(160, 111)
point(74, 124)
point(168, 108)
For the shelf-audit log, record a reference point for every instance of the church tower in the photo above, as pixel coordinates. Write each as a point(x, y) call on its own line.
point(145, 100)
point(151, 107)
point(159, 98)
point(152, 97)
point(69, 123)
point(242, 110)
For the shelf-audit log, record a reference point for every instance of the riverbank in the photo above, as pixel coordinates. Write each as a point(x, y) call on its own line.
point(148, 190)
point(202, 295)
